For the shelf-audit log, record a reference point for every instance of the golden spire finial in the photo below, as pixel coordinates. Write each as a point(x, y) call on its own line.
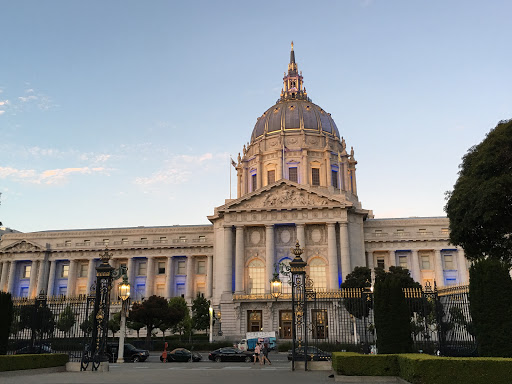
point(292, 45)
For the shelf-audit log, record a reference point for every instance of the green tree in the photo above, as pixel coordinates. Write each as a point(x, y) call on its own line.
point(135, 325)
point(490, 294)
point(6, 320)
point(86, 325)
point(401, 274)
point(200, 313)
point(392, 316)
point(39, 319)
point(181, 322)
point(480, 205)
point(357, 280)
point(114, 323)
point(152, 313)
point(66, 320)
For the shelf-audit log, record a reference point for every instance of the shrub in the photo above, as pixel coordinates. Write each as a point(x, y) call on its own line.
point(355, 364)
point(6, 309)
point(19, 362)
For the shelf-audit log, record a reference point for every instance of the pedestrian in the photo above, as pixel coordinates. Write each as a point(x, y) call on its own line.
point(265, 354)
point(257, 351)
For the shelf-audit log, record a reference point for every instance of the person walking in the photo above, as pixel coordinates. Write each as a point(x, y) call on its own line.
point(265, 354)
point(257, 351)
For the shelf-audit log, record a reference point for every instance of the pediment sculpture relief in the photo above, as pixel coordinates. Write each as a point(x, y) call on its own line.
point(23, 246)
point(285, 197)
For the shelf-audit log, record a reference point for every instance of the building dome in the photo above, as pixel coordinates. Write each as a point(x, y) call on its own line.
point(293, 115)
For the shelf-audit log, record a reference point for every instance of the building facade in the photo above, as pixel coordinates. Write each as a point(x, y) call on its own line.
point(296, 181)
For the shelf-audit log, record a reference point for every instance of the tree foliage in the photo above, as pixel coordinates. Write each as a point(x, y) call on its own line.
point(402, 275)
point(200, 313)
point(392, 316)
point(114, 323)
point(135, 325)
point(480, 205)
point(6, 309)
point(39, 319)
point(182, 322)
point(359, 279)
point(66, 320)
point(490, 295)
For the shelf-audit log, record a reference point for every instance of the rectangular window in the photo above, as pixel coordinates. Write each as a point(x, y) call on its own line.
point(161, 267)
point(163, 240)
point(180, 290)
point(26, 271)
point(82, 290)
point(87, 242)
point(402, 260)
point(143, 267)
point(451, 281)
point(292, 174)
point(315, 176)
point(380, 262)
point(425, 262)
point(180, 268)
point(124, 241)
point(335, 179)
point(201, 290)
point(183, 239)
point(65, 271)
point(24, 292)
point(254, 181)
point(63, 291)
point(202, 239)
point(160, 290)
point(201, 267)
point(448, 262)
point(271, 176)
point(105, 241)
point(83, 270)
point(445, 231)
point(319, 319)
point(67, 243)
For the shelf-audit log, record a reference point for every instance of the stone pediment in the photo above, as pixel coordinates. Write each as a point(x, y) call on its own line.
point(285, 195)
point(22, 246)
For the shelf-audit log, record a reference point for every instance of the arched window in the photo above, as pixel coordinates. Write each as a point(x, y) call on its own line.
point(256, 271)
point(285, 279)
point(317, 273)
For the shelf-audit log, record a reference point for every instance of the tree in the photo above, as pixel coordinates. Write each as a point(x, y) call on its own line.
point(6, 320)
point(39, 319)
point(200, 313)
point(181, 321)
point(66, 320)
point(135, 325)
point(114, 323)
point(490, 294)
point(401, 274)
point(480, 205)
point(358, 279)
point(87, 324)
point(392, 316)
point(152, 313)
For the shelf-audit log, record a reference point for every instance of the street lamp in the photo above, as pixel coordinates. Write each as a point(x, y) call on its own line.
point(124, 294)
point(211, 323)
point(276, 286)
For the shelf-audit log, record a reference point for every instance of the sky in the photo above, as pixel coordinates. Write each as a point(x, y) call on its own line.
point(125, 113)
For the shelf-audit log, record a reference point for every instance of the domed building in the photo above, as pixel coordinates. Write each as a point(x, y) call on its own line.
point(296, 181)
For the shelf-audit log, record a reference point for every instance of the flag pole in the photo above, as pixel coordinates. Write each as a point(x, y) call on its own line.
point(230, 161)
point(339, 171)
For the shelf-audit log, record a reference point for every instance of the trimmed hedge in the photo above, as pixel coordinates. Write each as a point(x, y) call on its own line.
point(426, 369)
point(19, 362)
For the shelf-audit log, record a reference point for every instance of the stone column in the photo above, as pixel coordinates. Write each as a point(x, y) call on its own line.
point(392, 258)
point(239, 259)
point(71, 278)
point(463, 271)
point(439, 268)
point(3, 278)
point(415, 267)
point(169, 281)
point(371, 261)
point(209, 286)
point(51, 277)
point(150, 275)
point(346, 178)
point(301, 236)
point(131, 274)
point(33, 277)
point(269, 256)
point(91, 275)
point(332, 256)
point(344, 251)
point(227, 273)
point(12, 278)
point(41, 277)
point(304, 174)
point(189, 292)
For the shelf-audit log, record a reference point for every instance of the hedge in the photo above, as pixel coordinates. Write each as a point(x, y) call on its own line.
point(426, 369)
point(19, 362)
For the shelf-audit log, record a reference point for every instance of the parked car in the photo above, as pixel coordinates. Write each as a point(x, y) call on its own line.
point(130, 353)
point(181, 354)
point(34, 349)
point(230, 354)
point(314, 354)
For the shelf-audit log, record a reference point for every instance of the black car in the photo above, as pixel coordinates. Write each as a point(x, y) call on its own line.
point(130, 353)
point(314, 354)
point(181, 354)
point(230, 354)
point(34, 349)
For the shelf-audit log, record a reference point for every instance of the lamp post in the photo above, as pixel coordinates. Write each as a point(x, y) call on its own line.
point(276, 286)
point(299, 303)
point(219, 317)
point(211, 323)
point(124, 294)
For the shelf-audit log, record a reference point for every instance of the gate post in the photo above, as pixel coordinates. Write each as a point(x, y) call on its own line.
point(299, 304)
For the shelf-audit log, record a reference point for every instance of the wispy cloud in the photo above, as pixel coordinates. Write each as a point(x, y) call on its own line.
point(50, 176)
point(3, 106)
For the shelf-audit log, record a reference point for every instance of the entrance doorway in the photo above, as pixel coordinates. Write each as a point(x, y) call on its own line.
point(285, 324)
point(254, 322)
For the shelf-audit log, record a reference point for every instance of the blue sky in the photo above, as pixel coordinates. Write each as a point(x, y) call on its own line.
point(124, 113)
